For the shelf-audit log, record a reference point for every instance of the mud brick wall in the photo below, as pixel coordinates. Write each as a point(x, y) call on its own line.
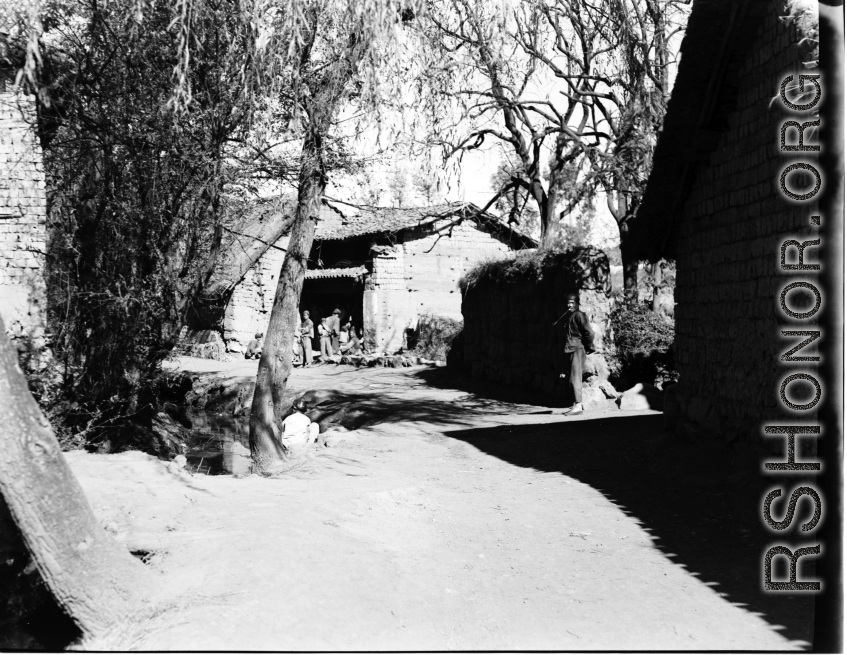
point(728, 282)
point(249, 307)
point(509, 337)
point(421, 275)
point(23, 212)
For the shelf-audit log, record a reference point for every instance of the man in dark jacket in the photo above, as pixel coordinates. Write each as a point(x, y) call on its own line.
point(579, 340)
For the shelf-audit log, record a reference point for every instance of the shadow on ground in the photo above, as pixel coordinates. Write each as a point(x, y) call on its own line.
point(444, 378)
point(355, 410)
point(700, 504)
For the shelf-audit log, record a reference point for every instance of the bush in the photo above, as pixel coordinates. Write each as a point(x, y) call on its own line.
point(434, 336)
point(584, 264)
point(643, 342)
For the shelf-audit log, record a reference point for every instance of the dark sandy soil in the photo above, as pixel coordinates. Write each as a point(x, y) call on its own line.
point(456, 523)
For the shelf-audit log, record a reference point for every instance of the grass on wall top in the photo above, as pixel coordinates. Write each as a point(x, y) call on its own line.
point(584, 262)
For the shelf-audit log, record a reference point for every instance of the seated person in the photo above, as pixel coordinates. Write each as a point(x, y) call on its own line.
point(346, 333)
point(254, 348)
point(298, 429)
point(354, 344)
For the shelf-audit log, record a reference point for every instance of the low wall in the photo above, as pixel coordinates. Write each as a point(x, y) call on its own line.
point(509, 308)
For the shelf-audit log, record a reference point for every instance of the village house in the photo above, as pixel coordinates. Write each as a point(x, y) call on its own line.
point(713, 204)
point(381, 267)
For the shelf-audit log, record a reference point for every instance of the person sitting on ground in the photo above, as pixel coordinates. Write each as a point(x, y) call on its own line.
point(353, 345)
point(344, 335)
point(298, 430)
point(254, 348)
point(326, 341)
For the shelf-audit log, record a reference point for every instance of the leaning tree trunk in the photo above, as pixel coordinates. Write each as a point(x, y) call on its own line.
point(92, 577)
point(275, 363)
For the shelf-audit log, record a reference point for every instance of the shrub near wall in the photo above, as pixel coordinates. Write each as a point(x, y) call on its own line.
point(509, 307)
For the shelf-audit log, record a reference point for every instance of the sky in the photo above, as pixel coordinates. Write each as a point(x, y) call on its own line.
point(471, 180)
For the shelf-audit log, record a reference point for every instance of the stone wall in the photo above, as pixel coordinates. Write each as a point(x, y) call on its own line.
point(509, 336)
point(23, 212)
point(421, 274)
point(728, 281)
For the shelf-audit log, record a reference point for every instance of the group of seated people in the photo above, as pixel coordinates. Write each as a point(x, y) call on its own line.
point(334, 337)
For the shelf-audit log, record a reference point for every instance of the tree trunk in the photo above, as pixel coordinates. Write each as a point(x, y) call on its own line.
point(621, 210)
point(275, 363)
point(92, 577)
point(657, 283)
point(630, 267)
point(544, 210)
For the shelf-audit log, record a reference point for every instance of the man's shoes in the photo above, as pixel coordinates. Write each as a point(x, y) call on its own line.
point(575, 410)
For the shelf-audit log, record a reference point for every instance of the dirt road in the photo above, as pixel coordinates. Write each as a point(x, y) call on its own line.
point(461, 524)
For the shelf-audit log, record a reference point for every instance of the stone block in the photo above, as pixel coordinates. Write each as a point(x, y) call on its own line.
point(594, 398)
point(609, 391)
point(641, 397)
point(595, 365)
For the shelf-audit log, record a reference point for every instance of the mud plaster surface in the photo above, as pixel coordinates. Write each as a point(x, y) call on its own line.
point(482, 527)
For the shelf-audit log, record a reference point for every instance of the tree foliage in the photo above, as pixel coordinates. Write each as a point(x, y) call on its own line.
point(575, 89)
point(135, 185)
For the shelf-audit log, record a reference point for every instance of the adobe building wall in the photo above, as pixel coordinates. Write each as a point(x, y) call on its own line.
point(23, 214)
point(249, 307)
point(421, 276)
point(728, 282)
point(509, 333)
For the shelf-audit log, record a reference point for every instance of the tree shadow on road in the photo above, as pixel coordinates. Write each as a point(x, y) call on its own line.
point(444, 378)
point(356, 410)
point(701, 505)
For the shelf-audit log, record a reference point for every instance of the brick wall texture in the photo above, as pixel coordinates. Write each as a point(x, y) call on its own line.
point(731, 228)
point(23, 210)
point(421, 276)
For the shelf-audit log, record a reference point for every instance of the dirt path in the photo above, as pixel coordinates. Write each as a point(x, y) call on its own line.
point(463, 524)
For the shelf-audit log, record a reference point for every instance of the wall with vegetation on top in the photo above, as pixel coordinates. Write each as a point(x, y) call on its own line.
point(509, 307)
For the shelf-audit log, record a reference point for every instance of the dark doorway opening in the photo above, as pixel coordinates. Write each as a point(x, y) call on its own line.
point(320, 297)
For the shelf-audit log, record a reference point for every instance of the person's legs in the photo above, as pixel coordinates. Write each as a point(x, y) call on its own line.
point(307, 352)
point(577, 366)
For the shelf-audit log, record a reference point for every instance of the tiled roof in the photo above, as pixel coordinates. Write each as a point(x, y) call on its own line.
point(321, 273)
point(375, 221)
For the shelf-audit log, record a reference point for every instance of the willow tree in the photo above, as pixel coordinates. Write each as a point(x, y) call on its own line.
point(573, 90)
point(320, 58)
point(93, 578)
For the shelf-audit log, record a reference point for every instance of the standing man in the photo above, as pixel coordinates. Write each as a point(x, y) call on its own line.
point(334, 326)
point(579, 340)
point(307, 331)
point(326, 341)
